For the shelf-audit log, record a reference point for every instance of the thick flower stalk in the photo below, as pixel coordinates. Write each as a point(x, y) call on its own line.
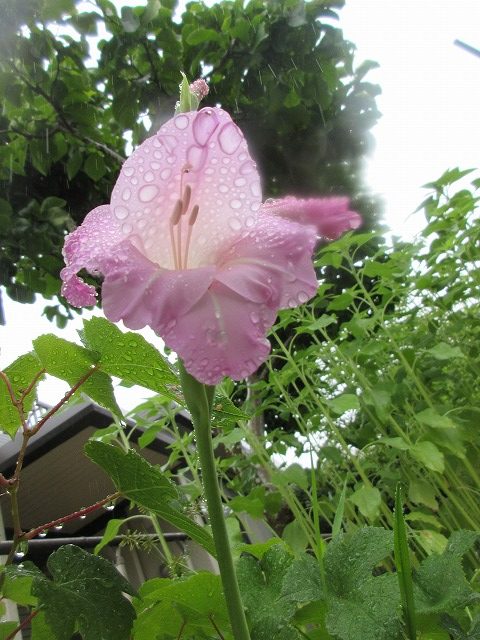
point(186, 247)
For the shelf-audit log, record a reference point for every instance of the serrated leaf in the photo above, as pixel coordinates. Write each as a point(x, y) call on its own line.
point(70, 362)
point(147, 486)
point(303, 581)
point(344, 402)
point(18, 583)
point(433, 593)
point(132, 475)
point(129, 356)
point(20, 374)
point(84, 592)
point(261, 587)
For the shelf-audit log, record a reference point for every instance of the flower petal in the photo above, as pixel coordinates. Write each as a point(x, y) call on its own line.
point(88, 247)
point(206, 151)
point(223, 334)
point(330, 216)
point(272, 264)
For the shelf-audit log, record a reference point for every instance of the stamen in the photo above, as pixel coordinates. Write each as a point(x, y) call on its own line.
point(186, 198)
point(191, 221)
point(175, 217)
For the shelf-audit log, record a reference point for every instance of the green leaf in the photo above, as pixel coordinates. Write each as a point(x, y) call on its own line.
point(422, 492)
point(433, 593)
point(253, 504)
point(337, 521)
point(429, 455)
point(147, 486)
point(129, 356)
point(182, 607)
point(443, 351)
point(86, 592)
point(261, 584)
point(74, 163)
point(70, 362)
point(94, 166)
point(225, 414)
point(130, 21)
point(359, 604)
point(293, 474)
point(111, 530)
point(368, 500)
point(345, 402)
point(18, 583)
point(403, 565)
point(20, 374)
point(303, 581)
point(198, 36)
point(296, 538)
point(431, 418)
point(6, 629)
point(132, 475)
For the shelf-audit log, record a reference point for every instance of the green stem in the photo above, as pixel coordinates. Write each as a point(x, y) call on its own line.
point(199, 400)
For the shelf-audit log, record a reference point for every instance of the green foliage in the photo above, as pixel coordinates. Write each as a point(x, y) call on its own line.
point(146, 486)
point(84, 592)
point(20, 374)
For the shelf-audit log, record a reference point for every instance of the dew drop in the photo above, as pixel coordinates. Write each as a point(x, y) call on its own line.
point(42, 534)
point(254, 317)
point(255, 188)
point(230, 138)
point(223, 188)
point(235, 204)
point(127, 228)
point(147, 193)
point(240, 182)
point(155, 166)
point(302, 297)
point(121, 213)
point(129, 171)
point(149, 176)
point(181, 122)
point(250, 221)
point(255, 206)
point(59, 527)
point(292, 303)
point(19, 554)
point(235, 224)
point(165, 174)
point(126, 194)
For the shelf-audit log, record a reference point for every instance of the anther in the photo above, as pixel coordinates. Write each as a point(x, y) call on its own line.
point(186, 198)
point(177, 212)
point(193, 215)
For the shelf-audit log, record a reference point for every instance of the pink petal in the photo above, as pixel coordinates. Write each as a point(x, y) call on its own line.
point(88, 247)
point(330, 216)
point(206, 151)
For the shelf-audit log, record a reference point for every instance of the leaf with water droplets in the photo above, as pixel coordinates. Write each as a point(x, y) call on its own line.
point(20, 374)
point(129, 356)
point(70, 362)
point(86, 593)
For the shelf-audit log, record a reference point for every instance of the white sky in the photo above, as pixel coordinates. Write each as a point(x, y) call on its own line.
point(430, 105)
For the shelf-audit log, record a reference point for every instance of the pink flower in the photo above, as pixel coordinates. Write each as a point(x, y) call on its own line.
point(186, 247)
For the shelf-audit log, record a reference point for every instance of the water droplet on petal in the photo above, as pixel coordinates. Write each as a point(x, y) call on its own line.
point(255, 206)
point(129, 171)
point(240, 182)
point(181, 122)
point(303, 297)
point(165, 174)
point(292, 303)
point(255, 188)
point(247, 167)
point(204, 125)
point(121, 212)
point(223, 188)
point(147, 193)
point(235, 224)
point(254, 317)
point(230, 138)
point(126, 194)
point(235, 204)
point(149, 176)
point(127, 228)
point(249, 221)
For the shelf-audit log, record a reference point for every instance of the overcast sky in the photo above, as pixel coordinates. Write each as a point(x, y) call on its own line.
point(430, 105)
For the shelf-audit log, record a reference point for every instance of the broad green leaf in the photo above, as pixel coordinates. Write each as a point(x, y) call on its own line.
point(293, 474)
point(426, 518)
point(6, 629)
point(296, 538)
point(261, 584)
point(147, 486)
point(253, 504)
point(197, 600)
point(18, 583)
point(303, 581)
point(20, 374)
point(429, 455)
point(422, 492)
point(202, 35)
point(129, 356)
point(225, 414)
point(111, 530)
point(86, 592)
point(359, 604)
point(94, 166)
point(433, 592)
point(368, 500)
point(132, 475)
point(70, 362)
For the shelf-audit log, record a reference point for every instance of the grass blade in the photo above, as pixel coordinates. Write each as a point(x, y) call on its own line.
point(337, 521)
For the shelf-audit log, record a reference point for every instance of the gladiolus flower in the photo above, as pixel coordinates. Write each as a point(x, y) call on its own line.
point(187, 248)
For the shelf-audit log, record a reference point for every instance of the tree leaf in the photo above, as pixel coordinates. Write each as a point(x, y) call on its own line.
point(70, 362)
point(20, 374)
point(368, 500)
point(129, 356)
point(429, 455)
point(86, 592)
